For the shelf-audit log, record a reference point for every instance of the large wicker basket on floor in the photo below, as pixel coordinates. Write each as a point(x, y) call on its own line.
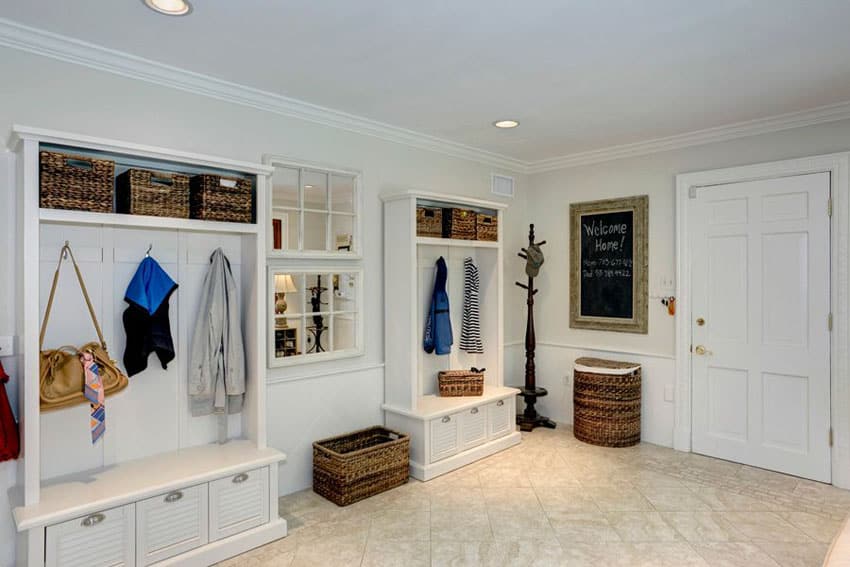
point(606, 402)
point(360, 464)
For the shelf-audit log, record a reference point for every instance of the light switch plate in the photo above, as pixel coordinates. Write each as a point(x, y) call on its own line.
point(7, 346)
point(669, 392)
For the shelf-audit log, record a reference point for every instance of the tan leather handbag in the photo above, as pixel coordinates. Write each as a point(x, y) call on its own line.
point(62, 379)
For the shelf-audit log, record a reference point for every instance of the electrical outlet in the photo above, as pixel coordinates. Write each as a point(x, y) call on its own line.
point(669, 392)
point(7, 346)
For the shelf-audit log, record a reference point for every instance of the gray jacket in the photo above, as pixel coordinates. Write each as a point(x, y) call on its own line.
point(217, 366)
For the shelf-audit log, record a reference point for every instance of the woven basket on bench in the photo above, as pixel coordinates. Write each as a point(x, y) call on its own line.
point(454, 383)
point(360, 464)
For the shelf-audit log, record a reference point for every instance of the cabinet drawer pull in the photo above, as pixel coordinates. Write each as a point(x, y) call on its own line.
point(174, 496)
point(446, 418)
point(473, 411)
point(500, 403)
point(93, 520)
point(240, 478)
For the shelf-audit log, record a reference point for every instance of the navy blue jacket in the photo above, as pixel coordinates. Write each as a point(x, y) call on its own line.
point(438, 328)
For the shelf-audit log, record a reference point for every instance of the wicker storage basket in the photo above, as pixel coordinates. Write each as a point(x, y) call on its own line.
point(429, 221)
point(357, 465)
point(454, 383)
point(459, 223)
point(219, 198)
point(486, 227)
point(153, 193)
point(76, 182)
point(606, 402)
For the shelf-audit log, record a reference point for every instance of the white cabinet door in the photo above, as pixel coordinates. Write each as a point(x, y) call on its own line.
point(444, 437)
point(473, 428)
point(760, 334)
point(499, 418)
point(104, 539)
point(171, 524)
point(238, 503)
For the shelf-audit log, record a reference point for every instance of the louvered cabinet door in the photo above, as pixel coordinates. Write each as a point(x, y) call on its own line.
point(473, 428)
point(444, 437)
point(500, 418)
point(171, 524)
point(103, 539)
point(238, 503)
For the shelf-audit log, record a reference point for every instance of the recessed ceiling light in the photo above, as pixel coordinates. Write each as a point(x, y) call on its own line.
point(169, 7)
point(506, 123)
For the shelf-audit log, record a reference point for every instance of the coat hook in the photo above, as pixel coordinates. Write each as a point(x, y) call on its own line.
point(65, 250)
point(148, 253)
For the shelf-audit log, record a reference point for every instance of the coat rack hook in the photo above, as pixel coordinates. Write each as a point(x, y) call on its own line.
point(148, 253)
point(65, 250)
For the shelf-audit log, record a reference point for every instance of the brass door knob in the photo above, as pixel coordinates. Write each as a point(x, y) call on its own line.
point(700, 321)
point(701, 350)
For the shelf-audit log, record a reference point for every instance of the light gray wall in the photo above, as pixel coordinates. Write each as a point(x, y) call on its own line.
point(550, 195)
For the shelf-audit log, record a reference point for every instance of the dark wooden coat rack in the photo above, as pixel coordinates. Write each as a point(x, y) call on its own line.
point(529, 419)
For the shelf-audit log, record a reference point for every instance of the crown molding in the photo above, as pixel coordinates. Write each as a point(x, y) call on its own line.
point(798, 119)
point(64, 48)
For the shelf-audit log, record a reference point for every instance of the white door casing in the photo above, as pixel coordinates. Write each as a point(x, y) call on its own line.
point(759, 323)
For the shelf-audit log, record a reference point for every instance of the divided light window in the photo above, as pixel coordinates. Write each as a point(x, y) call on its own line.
point(313, 212)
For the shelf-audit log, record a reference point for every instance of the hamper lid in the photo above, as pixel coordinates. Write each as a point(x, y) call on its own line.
point(603, 366)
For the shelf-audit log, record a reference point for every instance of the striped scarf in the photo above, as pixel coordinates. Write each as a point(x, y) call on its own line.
point(470, 331)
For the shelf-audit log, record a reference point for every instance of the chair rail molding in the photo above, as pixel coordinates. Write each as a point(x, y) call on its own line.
point(838, 166)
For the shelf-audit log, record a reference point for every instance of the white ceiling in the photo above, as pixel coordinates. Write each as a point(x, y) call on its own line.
point(578, 74)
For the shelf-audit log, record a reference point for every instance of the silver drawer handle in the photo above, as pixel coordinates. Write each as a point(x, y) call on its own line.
point(500, 403)
point(239, 478)
point(473, 411)
point(174, 496)
point(446, 419)
point(93, 520)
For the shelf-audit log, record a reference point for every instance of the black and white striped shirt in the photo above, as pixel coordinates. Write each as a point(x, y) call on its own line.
point(470, 331)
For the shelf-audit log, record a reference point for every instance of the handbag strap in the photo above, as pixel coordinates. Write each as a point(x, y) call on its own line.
point(66, 251)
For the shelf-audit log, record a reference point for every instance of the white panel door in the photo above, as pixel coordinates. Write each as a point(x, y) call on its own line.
point(760, 336)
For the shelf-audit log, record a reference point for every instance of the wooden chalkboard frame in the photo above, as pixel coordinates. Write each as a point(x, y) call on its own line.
point(638, 323)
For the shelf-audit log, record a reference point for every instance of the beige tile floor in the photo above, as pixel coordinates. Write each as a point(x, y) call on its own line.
point(556, 501)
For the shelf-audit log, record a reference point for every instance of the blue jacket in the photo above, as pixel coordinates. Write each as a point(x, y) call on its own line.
point(438, 328)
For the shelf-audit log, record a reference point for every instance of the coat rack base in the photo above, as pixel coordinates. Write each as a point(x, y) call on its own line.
point(530, 419)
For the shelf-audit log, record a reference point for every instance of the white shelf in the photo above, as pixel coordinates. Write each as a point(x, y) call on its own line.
point(82, 493)
point(429, 241)
point(432, 406)
point(142, 221)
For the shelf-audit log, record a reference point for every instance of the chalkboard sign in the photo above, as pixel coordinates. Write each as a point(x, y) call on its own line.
point(608, 265)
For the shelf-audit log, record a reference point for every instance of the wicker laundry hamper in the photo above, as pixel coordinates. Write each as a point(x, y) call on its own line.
point(606, 402)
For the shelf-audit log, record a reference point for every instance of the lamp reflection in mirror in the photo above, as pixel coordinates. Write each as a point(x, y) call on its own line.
point(283, 284)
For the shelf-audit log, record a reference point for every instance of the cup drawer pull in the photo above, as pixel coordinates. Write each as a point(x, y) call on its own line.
point(500, 403)
point(93, 520)
point(446, 419)
point(240, 478)
point(174, 496)
point(473, 411)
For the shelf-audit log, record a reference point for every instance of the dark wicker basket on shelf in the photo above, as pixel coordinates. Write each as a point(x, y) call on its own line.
point(459, 223)
point(153, 193)
point(486, 227)
point(454, 383)
point(219, 198)
point(75, 182)
point(360, 464)
point(606, 402)
point(429, 221)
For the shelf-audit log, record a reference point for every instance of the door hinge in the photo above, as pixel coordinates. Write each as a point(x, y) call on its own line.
point(830, 437)
point(829, 207)
point(829, 322)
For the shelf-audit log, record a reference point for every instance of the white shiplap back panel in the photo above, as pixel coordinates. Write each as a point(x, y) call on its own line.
point(198, 247)
point(65, 435)
point(152, 414)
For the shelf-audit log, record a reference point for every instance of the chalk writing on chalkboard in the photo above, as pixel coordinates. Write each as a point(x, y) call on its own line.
point(607, 264)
